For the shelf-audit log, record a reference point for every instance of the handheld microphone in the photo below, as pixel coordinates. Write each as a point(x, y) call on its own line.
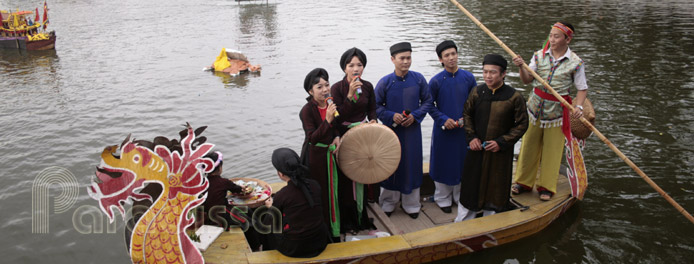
point(404, 113)
point(329, 100)
point(458, 123)
point(356, 78)
point(484, 144)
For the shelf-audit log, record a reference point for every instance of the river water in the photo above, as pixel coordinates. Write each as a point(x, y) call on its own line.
point(131, 66)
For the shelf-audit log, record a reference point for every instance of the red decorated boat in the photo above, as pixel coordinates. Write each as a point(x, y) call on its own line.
point(19, 31)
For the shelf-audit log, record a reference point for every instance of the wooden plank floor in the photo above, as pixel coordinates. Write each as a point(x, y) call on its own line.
point(231, 247)
point(438, 217)
point(431, 215)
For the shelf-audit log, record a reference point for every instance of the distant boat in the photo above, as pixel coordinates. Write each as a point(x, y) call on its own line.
point(430, 237)
point(19, 32)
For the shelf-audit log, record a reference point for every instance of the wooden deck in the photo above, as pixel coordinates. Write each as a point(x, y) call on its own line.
point(431, 215)
point(431, 236)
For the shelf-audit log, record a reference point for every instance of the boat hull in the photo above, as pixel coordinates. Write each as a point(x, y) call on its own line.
point(24, 44)
point(426, 245)
point(47, 44)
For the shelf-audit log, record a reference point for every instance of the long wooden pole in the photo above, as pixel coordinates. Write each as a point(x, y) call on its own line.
point(583, 120)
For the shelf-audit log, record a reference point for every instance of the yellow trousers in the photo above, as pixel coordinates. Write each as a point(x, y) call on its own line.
point(540, 147)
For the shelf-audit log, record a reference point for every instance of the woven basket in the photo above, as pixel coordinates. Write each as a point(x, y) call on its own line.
point(578, 129)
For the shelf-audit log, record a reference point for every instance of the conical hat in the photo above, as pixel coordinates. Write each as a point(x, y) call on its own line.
point(369, 153)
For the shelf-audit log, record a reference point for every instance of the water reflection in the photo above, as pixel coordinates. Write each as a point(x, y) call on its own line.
point(236, 81)
point(257, 24)
point(17, 60)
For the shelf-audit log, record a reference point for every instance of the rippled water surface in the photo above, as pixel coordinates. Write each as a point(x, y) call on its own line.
point(131, 66)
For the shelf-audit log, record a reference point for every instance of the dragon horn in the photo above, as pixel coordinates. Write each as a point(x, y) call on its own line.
point(161, 140)
point(127, 139)
point(199, 130)
point(183, 133)
point(145, 143)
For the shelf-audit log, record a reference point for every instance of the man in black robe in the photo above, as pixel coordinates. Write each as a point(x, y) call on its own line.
point(495, 119)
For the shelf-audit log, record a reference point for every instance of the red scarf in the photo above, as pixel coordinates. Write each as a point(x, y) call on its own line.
point(566, 124)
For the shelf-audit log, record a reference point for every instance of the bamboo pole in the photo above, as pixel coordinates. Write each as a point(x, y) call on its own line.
point(583, 120)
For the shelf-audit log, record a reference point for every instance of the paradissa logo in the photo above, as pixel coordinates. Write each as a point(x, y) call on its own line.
point(264, 219)
point(60, 180)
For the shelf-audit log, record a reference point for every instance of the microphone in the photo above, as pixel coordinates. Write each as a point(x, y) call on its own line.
point(356, 78)
point(329, 100)
point(484, 144)
point(458, 123)
point(405, 113)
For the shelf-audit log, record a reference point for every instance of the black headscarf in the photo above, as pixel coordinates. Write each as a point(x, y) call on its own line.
point(446, 44)
point(495, 59)
point(349, 54)
point(288, 163)
point(314, 77)
point(400, 47)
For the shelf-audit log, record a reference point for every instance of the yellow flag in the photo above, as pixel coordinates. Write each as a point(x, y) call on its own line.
point(16, 20)
point(221, 62)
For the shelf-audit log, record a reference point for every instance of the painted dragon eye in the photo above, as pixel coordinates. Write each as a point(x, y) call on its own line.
point(136, 158)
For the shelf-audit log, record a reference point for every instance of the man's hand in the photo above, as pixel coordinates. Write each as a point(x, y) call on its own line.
point(518, 61)
point(578, 113)
point(450, 124)
point(476, 144)
point(409, 120)
point(398, 118)
point(492, 146)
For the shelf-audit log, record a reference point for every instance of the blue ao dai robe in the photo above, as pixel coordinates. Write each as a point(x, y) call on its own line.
point(395, 94)
point(448, 147)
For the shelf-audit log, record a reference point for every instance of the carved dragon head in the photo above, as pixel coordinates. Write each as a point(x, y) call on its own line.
point(121, 177)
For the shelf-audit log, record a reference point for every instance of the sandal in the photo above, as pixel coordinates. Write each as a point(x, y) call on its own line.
point(546, 195)
point(517, 189)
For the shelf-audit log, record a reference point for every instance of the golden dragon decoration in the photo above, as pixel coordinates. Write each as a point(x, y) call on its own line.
point(158, 236)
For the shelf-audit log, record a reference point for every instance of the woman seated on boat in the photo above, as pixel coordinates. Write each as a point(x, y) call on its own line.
point(218, 212)
point(216, 205)
point(233, 62)
point(304, 233)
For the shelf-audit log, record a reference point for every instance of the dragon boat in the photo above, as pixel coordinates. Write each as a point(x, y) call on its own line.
point(165, 181)
point(19, 32)
point(432, 236)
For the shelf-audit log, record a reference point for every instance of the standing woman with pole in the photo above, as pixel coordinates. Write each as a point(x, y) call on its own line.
point(543, 143)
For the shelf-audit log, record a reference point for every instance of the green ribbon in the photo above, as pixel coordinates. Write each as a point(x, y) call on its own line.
point(355, 99)
point(332, 184)
point(359, 188)
point(360, 199)
point(353, 124)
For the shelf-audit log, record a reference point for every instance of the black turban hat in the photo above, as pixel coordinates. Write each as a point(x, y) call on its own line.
point(495, 59)
point(288, 163)
point(400, 47)
point(349, 54)
point(313, 77)
point(446, 44)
